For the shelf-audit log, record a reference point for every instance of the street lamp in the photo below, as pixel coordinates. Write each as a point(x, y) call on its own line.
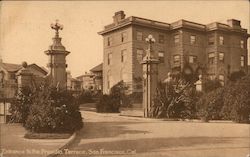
point(148, 60)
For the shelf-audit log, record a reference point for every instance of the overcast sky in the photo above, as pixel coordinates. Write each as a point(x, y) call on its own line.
point(25, 26)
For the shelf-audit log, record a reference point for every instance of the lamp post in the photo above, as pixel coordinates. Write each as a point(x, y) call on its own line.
point(150, 76)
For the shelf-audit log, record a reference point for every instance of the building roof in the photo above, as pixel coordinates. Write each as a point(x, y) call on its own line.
point(41, 69)
point(15, 67)
point(11, 67)
point(133, 20)
point(97, 68)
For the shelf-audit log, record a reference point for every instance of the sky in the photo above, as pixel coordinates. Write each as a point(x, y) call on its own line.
point(25, 31)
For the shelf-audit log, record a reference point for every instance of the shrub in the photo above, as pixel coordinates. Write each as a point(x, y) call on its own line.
point(236, 75)
point(210, 85)
point(85, 97)
point(210, 104)
point(237, 101)
point(53, 111)
point(118, 97)
point(19, 107)
point(175, 100)
point(107, 104)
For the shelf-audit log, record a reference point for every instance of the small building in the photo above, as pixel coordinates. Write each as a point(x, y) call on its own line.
point(8, 78)
point(73, 84)
point(87, 81)
point(97, 71)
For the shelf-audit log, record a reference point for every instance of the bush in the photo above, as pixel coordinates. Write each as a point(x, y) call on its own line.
point(107, 104)
point(175, 100)
point(53, 111)
point(237, 101)
point(19, 107)
point(117, 98)
point(210, 85)
point(236, 75)
point(210, 104)
point(85, 97)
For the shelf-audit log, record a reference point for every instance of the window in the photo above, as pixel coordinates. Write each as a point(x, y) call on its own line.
point(109, 58)
point(108, 79)
point(242, 61)
point(123, 55)
point(221, 40)
point(192, 39)
point(177, 60)
point(139, 54)
point(161, 38)
point(211, 58)
point(221, 79)
point(192, 59)
point(139, 36)
point(161, 56)
point(176, 38)
point(109, 41)
point(242, 44)
point(123, 36)
point(221, 57)
point(211, 76)
point(211, 40)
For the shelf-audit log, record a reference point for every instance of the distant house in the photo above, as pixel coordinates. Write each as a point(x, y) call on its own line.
point(73, 84)
point(87, 81)
point(97, 71)
point(8, 79)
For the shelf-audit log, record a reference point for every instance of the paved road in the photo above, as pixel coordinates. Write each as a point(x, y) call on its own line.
point(113, 135)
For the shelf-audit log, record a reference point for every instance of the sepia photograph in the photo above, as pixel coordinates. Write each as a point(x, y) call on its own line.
point(125, 78)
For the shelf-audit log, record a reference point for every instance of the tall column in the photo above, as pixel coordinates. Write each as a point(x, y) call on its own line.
point(57, 59)
point(150, 77)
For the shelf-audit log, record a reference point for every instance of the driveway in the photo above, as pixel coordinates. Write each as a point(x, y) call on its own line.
point(114, 135)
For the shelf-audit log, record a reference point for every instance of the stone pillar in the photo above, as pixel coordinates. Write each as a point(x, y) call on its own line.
point(24, 77)
point(57, 60)
point(150, 77)
point(198, 84)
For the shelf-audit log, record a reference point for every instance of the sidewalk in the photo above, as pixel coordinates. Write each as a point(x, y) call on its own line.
point(13, 144)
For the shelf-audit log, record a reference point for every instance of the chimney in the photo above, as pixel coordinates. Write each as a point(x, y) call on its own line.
point(234, 23)
point(118, 16)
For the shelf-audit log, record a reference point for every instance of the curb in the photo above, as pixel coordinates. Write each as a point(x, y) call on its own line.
point(71, 140)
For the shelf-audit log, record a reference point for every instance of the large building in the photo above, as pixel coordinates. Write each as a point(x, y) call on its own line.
point(214, 50)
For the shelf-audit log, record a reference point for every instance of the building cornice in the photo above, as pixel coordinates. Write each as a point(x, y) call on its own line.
point(181, 24)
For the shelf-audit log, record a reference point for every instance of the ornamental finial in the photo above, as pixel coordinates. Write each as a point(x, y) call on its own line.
point(56, 26)
point(150, 40)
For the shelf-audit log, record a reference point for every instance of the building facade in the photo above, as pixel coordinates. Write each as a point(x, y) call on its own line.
point(214, 50)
